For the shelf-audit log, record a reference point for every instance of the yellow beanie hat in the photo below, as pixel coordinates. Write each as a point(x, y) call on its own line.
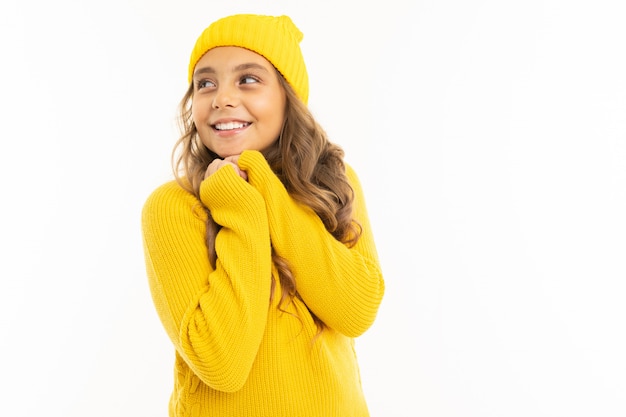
point(276, 38)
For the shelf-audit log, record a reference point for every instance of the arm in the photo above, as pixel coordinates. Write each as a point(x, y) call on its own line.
point(215, 318)
point(343, 286)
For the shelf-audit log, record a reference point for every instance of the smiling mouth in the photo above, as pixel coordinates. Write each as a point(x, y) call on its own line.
point(230, 126)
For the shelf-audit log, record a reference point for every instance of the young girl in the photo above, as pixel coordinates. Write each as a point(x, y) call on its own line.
point(260, 256)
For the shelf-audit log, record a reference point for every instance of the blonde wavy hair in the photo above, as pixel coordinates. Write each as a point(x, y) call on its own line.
point(306, 162)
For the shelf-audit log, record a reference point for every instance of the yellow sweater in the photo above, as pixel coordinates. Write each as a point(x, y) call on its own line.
point(237, 354)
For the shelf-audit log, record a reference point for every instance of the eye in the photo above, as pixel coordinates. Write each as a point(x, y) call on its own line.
point(204, 84)
point(248, 79)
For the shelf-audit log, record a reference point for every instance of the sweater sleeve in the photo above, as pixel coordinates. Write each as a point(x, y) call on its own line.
point(342, 285)
point(215, 318)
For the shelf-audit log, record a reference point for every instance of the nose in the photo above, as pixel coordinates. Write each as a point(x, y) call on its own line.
point(225, 96)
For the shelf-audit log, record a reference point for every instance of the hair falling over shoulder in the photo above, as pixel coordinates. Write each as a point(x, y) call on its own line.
point(307, 163)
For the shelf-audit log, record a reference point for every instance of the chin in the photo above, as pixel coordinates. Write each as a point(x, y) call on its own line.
point(226, 154)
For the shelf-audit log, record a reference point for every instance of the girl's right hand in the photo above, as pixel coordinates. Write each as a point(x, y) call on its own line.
point(218, 163)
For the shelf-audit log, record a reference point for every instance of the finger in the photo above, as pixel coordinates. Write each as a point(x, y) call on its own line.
point(243, 174)
point(232, 158)
point(213, 167)
point(216, 164)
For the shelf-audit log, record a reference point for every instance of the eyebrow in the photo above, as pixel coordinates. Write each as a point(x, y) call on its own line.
point(240, 67)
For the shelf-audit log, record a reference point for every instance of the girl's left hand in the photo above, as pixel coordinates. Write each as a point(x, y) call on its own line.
point(229, 160)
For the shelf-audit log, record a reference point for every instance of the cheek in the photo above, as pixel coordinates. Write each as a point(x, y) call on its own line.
point(275, 111)
point(194, 112)
point(198, 112)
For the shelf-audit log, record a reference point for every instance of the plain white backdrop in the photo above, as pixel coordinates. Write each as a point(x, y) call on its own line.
point(490, 137)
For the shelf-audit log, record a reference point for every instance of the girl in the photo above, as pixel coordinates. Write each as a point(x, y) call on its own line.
point(260, 256)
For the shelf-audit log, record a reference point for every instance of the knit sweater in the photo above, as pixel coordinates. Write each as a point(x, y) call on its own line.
point(236, 352)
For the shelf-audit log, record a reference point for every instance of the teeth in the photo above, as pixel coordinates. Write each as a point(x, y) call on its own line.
point(230, 125)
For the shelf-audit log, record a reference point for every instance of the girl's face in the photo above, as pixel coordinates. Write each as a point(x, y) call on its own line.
point(238, 103)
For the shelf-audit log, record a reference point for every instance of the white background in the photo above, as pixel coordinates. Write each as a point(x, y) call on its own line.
point(490, 137)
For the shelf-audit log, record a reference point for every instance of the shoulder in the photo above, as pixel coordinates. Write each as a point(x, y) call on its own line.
point(169, 198)
point(350, 172)
point(170, 190)
point(352, 176)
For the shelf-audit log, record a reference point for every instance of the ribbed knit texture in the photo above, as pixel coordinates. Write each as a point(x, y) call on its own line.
point(274, 37)
point(237, 354)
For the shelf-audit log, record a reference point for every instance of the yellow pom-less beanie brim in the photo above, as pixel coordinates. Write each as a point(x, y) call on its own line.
point(276, 38)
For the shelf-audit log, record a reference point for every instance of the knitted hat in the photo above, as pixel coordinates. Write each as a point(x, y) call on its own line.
point(276, 38)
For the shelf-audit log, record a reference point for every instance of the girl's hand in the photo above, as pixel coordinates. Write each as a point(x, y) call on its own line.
point(218, 163)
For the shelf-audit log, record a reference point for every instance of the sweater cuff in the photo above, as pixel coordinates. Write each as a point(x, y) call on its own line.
point(226, 186)
point(260, 175)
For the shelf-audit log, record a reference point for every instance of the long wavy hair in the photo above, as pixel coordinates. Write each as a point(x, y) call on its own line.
point(306, 162)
